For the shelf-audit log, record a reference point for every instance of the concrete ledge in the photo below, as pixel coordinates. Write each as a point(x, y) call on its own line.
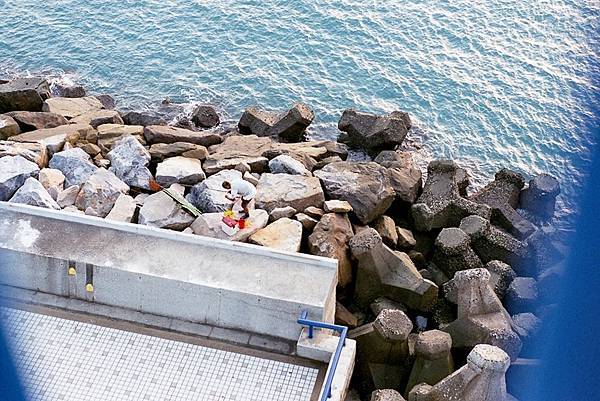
point(164, 273)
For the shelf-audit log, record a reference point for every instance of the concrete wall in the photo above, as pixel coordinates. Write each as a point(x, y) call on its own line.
point(166, 273)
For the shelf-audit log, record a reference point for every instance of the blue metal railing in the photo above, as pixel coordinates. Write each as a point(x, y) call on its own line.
point(343, 330)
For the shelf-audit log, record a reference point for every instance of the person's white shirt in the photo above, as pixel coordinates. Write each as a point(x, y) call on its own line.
point(243, 189)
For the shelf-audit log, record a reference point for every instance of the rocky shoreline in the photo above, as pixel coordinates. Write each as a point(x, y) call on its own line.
point(430, 275)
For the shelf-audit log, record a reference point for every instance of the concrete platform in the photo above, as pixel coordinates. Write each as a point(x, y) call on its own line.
point(164, 273)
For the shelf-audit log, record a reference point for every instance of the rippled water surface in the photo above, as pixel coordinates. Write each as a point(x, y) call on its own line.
point(490, 83)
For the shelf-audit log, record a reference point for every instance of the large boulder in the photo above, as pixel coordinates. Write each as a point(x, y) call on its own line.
point(99, 193)
point(23, 94)
point(280, 190)
point(143, 118)
point(123, 209)
point(209, 195)
point(372, 132)
point(53, 180)
point(160, 210)
point(180, 170)
point(283, 234)
point(55, 138)
point(166, 134)
point(34, 152)
point(14, 170)
point(33, 193)
point(72, 107)
point(8, 127)
point(239, 149)
point(540, 197)
point(404, 174)
point(330, 239)
point(210, 225)
point(289, 126)
point(287, 165)
point(205, 116)
point(96, 118)
point(75, 164)
point(108, 134)
point(129, 161)
point(366, 186)
point(161, 151)
point(34, 120)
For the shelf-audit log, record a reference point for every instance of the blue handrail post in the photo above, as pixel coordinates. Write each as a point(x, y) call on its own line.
point(343, 330)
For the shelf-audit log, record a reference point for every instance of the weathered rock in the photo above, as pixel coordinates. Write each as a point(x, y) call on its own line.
point(383, 272)
point(100, 192)
point(371, 132)
point(386, 395)
point(280, 190)
point(144, 119)
point(285, 164)
point(68, 196)
point(108, 102)
point(71, 107)
point(205, 116)
point(282, 212)
point(160, 210)
point(51, 178)
point(404, 174)
point(181, 170)
point(406, 239)
point(8, 127)
point(108, 134)
point(330, 239)
point(502, 196)
point(166, 134)
point(453, 252)
point(386, 227)
point(123, 210)
point(284, 234)
point(239, 149)
point(314, 212)
point(129, 161)
point(433, 358)
point(55, 138)
point(289, 126)
point(33, 193)
point(337, 206)
point(501, 276)
point(540, 197)
point(34, 120)
point(481, 317)
point(74, 164)
point(209, 196)
point(34, 152)
point(252, 178)
point(521, 295)
point(366, 186)
point(527, 325)
point(441, 204)
point(23, 94)
point(491, 243)
point(91, 149)
point(381, 303)
point(98, 117)
point(161, 151)
point(209, 225)
point(481, 379)
point(307, 222)
point(14, 171)
point(72, 91)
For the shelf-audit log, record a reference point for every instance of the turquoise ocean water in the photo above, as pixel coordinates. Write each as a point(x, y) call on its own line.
point(492, 84)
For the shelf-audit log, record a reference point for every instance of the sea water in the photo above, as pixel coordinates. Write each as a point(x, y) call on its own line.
point(491, 84)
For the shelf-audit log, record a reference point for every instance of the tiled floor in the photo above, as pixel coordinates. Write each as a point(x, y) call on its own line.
point(64, 359)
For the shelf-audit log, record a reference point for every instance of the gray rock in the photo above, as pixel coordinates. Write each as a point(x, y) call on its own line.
point(34, 120)
point(433, 358)
point(527, 325)
point(161, 151)
point(314, 212)
point(282, 212)
point(383, 272)
point(372, 132)
point(386, 227)
point(71, 91)
point(502, 196)
point(289, 126)
point(96, 118)
point(406, 239)
point(205, 116)
point(51, 178)
point(284, 234)
point(252, 178)
point(23, 94)
point(285, 164)
point(160, 210)
point(100, 192)
point(404, 174)
point(144, 119)
point(129, 161)
point(33, 193)
point(109, 134)
point(441, 204)
point(71, 107)
point(521, 295)
point(209, 225)
point(256, 122)
point(14, 171)
point(337, 206)
point(209, 195)
point(366, 186)
point(166, 134)
point(107, 101)
point(330, 238)
point(55, 138)
point(181, 170)
point(540, 197)
point(68, 196)
point(8, 127)
point(75, 164)
point(280, 190)
point(123, 210)
point(34, 152)
point(453, 252)
point(307, 222)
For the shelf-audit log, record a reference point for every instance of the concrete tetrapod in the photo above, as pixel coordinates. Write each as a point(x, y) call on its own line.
point(481, 379)
point(453, 252)
point(384, 272)
point(434, 360)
